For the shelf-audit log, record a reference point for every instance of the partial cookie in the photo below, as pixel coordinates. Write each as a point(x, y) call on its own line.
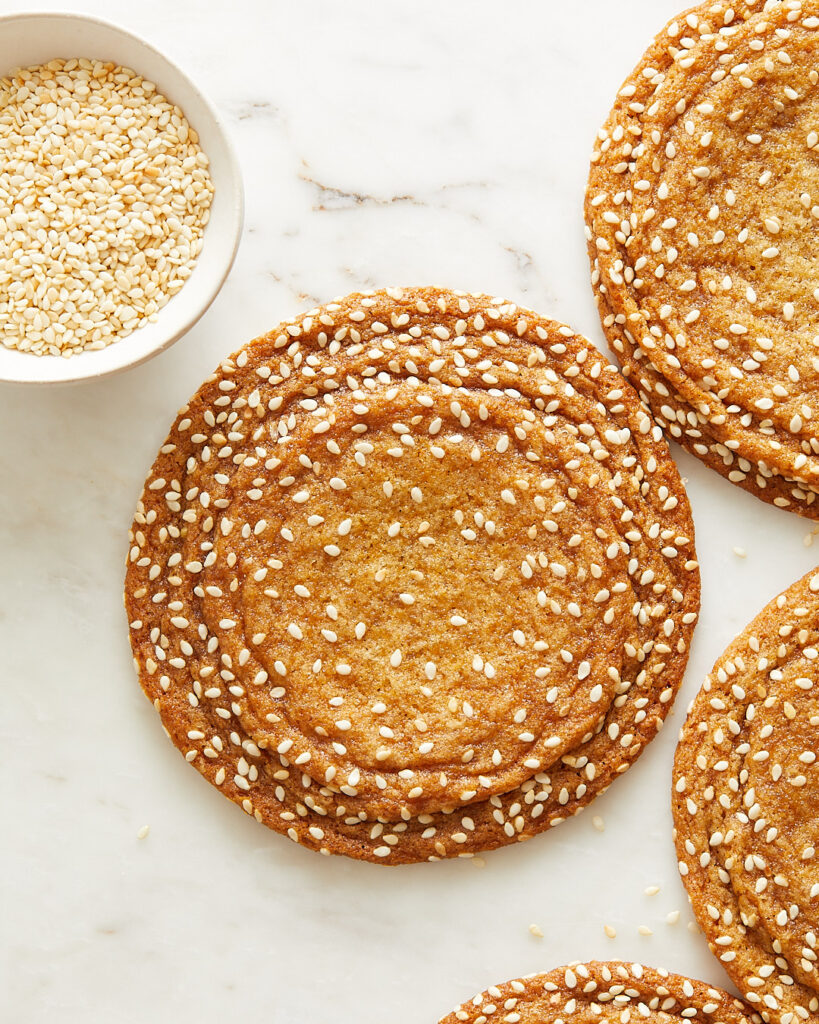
point(413, 576)
point(699, 217)
point(615, 992)
point(674, 58)
point(746, 804)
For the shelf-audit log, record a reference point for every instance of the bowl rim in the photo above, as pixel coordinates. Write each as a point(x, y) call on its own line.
point(234, 196)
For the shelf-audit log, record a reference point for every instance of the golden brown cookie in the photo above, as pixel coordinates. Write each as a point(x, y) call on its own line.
point(602, 992)
point(699, 212)
point(413, 576)
point(746, 804)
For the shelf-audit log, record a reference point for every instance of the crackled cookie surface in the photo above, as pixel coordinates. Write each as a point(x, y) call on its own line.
point(746, 802)
point(412, 576)
point(701, 210)
point(613, 991)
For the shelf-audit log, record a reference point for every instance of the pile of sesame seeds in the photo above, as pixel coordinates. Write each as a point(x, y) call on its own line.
point(413, 576)
point(104, 198)
point(746, 803)
point(608, 991)
point(701, 210)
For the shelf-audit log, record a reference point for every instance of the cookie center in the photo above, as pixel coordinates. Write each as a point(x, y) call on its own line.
point(413, 605)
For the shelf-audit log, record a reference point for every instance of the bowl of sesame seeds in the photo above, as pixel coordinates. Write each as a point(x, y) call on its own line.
point(121, 201)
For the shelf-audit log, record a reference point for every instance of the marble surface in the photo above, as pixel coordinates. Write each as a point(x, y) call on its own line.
point(382, 144)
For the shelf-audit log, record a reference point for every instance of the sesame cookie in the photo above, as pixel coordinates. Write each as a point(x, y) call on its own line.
point(413, 576)
point(699, 213)
point(613, 991)
point(746, 802)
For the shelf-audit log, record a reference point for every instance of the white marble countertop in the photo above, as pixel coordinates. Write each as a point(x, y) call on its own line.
point(382, 144)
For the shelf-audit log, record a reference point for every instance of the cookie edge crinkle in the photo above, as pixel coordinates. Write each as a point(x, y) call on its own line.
point(615, 979)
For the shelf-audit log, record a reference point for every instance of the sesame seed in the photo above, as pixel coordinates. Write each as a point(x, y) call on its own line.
point(124, 173)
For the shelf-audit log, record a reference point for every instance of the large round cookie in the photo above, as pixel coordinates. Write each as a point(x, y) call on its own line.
point(699, 208)
point(413, 576)
point(603, 992)
point(746, 804)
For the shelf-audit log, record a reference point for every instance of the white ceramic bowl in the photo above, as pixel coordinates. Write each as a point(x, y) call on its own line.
point(27, 39)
